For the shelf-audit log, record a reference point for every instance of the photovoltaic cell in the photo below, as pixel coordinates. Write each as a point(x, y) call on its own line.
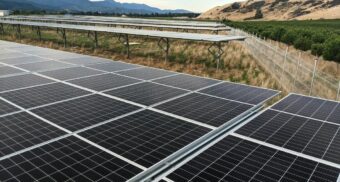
point(22, 130)
point(41, 95)
point(8, 71)
point(85, 60)
point(310, 107)
point(23, 60)
point(46, 65)
point(16, 82)
point(146, 73)
point(83, 112)
point(68, 159)
point(242, 93)
point(113, 66)
point(187, 82)
point(71, 73)
point(233, 159)
point(6, 108)
point(146, 137)
point(11, 55)
point(195, 106)
point(104, 82)
point(303, 135)
point(146, 93)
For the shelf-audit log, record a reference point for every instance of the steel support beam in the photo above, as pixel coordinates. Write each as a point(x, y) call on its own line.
point(62, 32)
point(18, 31)
point(94, 37)
point(2, 29)
point(217, 54)
point(164, 44)
point(39, 33)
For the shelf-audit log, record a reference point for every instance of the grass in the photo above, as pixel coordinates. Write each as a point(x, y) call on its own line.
point(185, 56)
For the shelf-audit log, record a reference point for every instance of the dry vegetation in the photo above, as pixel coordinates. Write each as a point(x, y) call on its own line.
point(185, 56)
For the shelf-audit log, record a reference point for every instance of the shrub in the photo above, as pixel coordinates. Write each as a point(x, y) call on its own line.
point(332, 49)
point(258, 14)
point(303, 43)
point(319, 37)
point(289, 37)
point(277, 33)
point(317, 49)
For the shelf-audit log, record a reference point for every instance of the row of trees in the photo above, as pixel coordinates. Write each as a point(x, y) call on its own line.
point(321, 41)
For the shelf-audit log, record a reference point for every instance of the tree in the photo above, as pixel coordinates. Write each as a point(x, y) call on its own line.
point(258, 14)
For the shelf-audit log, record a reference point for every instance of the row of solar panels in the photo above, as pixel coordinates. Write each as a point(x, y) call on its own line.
point(65, 116)
point(126, 20)
point(110, 23)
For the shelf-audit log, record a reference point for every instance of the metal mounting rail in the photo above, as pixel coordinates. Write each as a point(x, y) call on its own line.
point(157, 171)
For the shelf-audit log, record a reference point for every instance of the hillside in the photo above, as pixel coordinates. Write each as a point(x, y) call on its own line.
point(276, 10)
point(105, 6)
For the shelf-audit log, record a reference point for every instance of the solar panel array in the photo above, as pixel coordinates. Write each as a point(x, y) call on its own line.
point(65, 116)
point(297, 139)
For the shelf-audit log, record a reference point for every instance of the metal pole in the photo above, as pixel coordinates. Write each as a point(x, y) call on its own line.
point(2, 29)
point(297, 71)
point(19, 31)
point(338, 93)
point(314, 73)
point(167, 49)
point(63, 31)
point(127, 45)
point(284, 63)
point(95, 39)
point(39, 33)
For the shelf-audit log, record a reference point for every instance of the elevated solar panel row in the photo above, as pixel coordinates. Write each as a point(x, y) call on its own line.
point(90, 132)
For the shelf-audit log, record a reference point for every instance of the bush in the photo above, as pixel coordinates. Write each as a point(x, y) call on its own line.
point(289, 37)
point(317, 49)
point(319, 37)
point(303, 43)
point(277, 33)
point(258, 14)
point(332, 49)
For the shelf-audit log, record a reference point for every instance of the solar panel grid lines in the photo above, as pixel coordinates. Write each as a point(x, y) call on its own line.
point(22, 81)
point(44, 66)
point(60, 161)
point(71, 73)
point(23, 60)
point(115, 66)
point(86, 60)
point(234, 158)
point(146, 93)
point(146, 73)
point(41, 95)
point(145, 137)
point(6, 108)
point(6, 71)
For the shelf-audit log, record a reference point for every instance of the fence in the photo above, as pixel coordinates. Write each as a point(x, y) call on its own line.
point(294, 72)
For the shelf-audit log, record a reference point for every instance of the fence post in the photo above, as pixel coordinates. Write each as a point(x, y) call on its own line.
point(314, 72)
point(284, 63)
point(338, 93)
point(297, 70)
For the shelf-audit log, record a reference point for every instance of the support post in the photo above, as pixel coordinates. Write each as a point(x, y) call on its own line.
point(95, 37)
point(62, 31)
point(165, 47)
point(314, 73)
point(39, 33)
point(338, 92)
point(124, 39)
point(19, 31)
point(2, 30)
point(217, 56)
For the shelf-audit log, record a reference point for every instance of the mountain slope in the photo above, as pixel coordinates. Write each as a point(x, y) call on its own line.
point(276, 10)
point(106, 6)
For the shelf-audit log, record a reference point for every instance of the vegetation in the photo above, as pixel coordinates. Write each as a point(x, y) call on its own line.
point(321, 37)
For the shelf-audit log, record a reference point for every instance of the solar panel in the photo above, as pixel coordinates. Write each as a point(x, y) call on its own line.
point(242, 93)
point(146, 137)
point(66, 159)
point(71, 73)
point(195, 106)
point(12, 55)
point(22, 130)
point(186, 82)
point(310, 107)
point(294, 132)
point(41, 95)
point(146, 93)
point(9, 71)
point(42, 66)
point(16, 82)
point(6, 108)
point(234, 159)
point(23, 60)
point(85, 60)
point(104, 82)
point(146, 73)
point(113, 66)
point(84, 112)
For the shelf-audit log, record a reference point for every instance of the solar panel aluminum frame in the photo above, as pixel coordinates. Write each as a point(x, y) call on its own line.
point(172, 162)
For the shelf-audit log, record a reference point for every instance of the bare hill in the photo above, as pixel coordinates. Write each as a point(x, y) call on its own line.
point(276, 10)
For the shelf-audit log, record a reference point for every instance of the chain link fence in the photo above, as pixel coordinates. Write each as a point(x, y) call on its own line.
point(294, 72)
